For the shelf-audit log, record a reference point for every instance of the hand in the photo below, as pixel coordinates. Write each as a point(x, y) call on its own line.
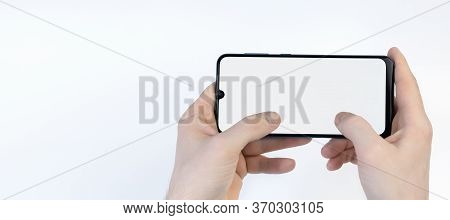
point(396, 167)
point(212, 165)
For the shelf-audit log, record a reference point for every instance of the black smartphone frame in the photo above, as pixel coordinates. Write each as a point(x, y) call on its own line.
point(389, 110)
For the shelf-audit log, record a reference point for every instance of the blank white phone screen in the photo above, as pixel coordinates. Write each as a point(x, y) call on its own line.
point(306, 92)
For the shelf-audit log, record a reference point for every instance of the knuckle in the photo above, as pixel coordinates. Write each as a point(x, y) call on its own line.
point(421, 132)
point(245, 151)
point(252, 119)
point(201, 104)
point(185, 119)
point(428, 129)
point(425, 129)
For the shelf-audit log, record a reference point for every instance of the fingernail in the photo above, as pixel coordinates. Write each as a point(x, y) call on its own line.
point(341, 116)
point(272, 117)
point(338, 119)
point(329, 166)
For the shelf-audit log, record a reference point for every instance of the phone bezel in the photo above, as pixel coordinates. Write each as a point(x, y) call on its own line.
point(390, 68)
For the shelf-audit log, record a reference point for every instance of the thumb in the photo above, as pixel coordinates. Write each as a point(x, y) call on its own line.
point(250, 129)
point(358, 131)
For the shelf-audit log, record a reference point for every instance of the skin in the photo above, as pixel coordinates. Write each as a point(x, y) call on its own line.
point(212, 165)
point(396, 167)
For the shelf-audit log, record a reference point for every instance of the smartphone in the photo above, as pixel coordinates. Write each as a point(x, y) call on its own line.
point(306, 90)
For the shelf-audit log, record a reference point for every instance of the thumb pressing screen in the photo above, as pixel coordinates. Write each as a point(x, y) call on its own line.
point(306, 90)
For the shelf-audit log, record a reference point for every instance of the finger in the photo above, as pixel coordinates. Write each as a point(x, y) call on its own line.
point(241, 167)
point(201, 112)
point(262, 164)
point(394, 124)
point(344, 157)
point(335, 147)
point(235, 188)
point(395, 110)
point(250, 129)
point(269, 144)
point(349, 155)
point(358, 131)
point(408, 98)
point(334, 164)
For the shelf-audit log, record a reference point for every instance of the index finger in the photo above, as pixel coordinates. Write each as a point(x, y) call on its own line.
point(269, 144)
point(408, 98)
point(201, 112)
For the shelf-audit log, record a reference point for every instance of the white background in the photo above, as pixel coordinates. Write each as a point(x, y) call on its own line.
point(65, 101)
